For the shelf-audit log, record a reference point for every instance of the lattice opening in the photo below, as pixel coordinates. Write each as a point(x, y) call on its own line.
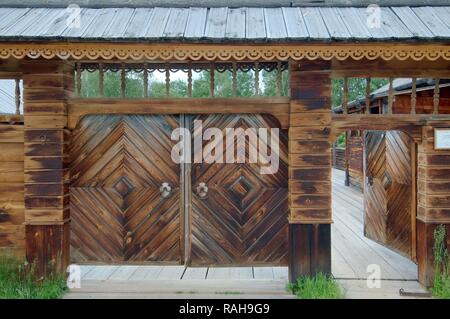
point(181, 80)
point(374, 95)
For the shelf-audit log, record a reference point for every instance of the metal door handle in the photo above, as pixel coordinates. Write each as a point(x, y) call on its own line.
point(165, 190)
point(202, 190)
point(370, 180)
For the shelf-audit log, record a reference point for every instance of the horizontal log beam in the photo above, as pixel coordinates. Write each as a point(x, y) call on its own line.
point(409, 124)
point(277, 106)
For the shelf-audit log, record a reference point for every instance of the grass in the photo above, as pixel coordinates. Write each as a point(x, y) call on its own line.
point(17, 281)
point(441, 283)
point(318, 287)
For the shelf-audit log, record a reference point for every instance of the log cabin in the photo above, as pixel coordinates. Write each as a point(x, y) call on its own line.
point(89, 177)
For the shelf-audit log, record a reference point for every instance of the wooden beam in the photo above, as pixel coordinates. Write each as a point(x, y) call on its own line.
point(277, 106)
point(409, 124)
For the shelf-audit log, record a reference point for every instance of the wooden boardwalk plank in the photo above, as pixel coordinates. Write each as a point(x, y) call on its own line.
point(195, 273)
point(230, 273)
point(100, 272)
point(123, 272)
point(171, 273)
point(351, 246)
point(280, 273)
point(146, 273)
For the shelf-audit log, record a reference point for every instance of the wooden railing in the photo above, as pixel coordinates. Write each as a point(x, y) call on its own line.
point(433, 104)
point(167, 69)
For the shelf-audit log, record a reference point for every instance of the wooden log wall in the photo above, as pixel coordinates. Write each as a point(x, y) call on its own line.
point(433, 187)
point(47, 86)
point(12, 230)
point(309, 169)
point(424, 102)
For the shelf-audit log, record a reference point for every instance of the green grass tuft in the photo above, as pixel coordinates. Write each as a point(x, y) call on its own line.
point(441, 286)
point(441, 283)
point(17, 281)
point(318, 287)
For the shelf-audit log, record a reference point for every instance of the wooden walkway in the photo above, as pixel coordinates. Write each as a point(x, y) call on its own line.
point(143, 273)
point(352, 253)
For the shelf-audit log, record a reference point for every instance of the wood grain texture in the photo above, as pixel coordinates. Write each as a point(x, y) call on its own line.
point(309, 142)
point(12, 207)
point(388, 190)
point(47, 86)
point(310, 165)
point(243, 220)
point(119, 163)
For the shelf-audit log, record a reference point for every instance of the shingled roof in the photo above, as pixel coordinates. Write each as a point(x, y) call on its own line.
point(218, 24)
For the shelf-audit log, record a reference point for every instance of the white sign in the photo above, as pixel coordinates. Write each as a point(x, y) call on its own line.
point(442, 138)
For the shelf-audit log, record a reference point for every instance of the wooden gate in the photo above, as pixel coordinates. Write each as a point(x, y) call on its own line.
point(119, 163)
point(388, 192)
point(243, 217)
point(120, 212)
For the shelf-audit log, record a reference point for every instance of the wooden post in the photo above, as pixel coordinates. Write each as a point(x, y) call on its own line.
point(189, 71)
point(390, 96)
point(414, 96)
point(436, 96)
point(279, 79)
point(309, 169)
point(256, 78)
point(78, 77)
point(345, 101)
point(347, 155)
point(367, 97)
point(17, 96)
point(211, 80)
point(234, 79)
point(433, 189)
point(123, 80)
point(47, 85)
point(145, 80)
point(167, 69)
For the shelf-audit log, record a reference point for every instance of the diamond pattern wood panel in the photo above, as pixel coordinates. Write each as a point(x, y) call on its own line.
point(118, 214)
point(243, 219)
point(388, 191)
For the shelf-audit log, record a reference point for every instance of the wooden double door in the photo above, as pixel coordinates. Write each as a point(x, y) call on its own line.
point(389, 199)
point(130, 202)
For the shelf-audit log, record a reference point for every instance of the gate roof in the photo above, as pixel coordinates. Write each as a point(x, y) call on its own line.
point(227, 24)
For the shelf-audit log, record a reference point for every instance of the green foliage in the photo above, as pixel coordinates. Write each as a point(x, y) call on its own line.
point(17, 281)
point(341, 140)
point(441, 283)
point(317, 287)
point(356, 89)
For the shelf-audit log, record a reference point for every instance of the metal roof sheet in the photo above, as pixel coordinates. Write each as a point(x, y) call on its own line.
point(220, 24)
